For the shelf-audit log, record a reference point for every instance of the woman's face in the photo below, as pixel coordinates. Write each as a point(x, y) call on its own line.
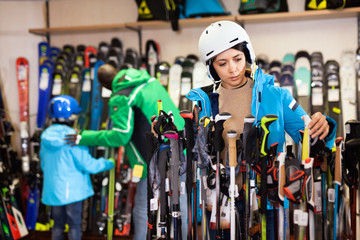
point(230, 66)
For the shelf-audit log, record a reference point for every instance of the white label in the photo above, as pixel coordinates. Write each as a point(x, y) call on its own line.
point(74, 79)
point(347, 128)
point(317, 97)
point(318, 197)
point(44, 81)
point(204, 180)
point(300, 218)
point(176, 214)
point(154, 204)
point(182, 188)
point(331, 195)
point(56, 87)
point(252, 183)
point(86, 86)
point(333, 95)
point(303, 89)
point(213, 210)
point(79, 62)
point(167, 185)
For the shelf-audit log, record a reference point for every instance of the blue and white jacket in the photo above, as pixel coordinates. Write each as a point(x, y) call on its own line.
point(67, 169)
point(267, 99)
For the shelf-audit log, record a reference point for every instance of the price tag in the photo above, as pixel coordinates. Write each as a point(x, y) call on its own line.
point(204, 180)
point(137, 172)
point(56, 88)
point(74, 78)
point(300, 218)
point(182, 188)
point(44, 81)
point(331, 195)
point(154, 205)
point(86, 86)
point(317, 97)
point(318, 197)
point(167, 185)
point(333, 95)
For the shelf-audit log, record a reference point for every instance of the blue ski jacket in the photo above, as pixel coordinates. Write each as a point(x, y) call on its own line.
point(67, 169)
point(267, 99)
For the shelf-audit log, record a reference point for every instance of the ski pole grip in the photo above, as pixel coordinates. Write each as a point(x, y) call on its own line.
point(219, 127)
point(249, 136)
point(189, 131)
point(265, 123)
point(339, 142)
point(282, 176)
point(232, 148)
point(352, 129)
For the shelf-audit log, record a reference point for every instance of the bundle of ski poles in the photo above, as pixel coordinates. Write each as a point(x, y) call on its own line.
point(283, 195)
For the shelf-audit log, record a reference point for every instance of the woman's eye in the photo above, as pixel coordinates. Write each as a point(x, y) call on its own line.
point(238, 59)
point(222, 64)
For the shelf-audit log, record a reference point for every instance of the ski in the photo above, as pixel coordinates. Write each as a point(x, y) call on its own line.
point(22, 73)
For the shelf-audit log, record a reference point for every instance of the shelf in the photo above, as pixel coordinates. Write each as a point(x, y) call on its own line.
point(201, 22)
point(299, 16)
point(77, 29)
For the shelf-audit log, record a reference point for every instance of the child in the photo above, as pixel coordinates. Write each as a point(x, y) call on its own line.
point(66, 169)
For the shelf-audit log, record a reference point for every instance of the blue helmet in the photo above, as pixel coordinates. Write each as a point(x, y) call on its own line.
point(63, 106)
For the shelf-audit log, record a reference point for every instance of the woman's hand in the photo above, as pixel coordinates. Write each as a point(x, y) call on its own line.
point(318, 126)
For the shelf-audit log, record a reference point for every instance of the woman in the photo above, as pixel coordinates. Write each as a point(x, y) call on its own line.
point(241, 89)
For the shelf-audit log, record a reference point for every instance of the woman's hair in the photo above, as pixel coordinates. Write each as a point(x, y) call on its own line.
point(242, 47)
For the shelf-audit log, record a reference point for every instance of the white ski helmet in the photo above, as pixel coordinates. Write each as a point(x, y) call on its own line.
point(221, 36)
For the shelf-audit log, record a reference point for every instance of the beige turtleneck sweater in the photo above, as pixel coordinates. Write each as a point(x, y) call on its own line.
point(237, 102)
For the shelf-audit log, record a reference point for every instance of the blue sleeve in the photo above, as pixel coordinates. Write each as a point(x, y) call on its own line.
point(85, 162)
point(292, 115)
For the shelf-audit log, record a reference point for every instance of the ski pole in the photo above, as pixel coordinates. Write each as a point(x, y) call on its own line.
point(352, 128)
point(337, 181)
point(203, 162)
point(150, 148)
point(281, 193)
point(305, 154)
point(232, 163)
point(310, 195)
point(249, 136)
point(352, 151)
point(218, 147)
point(323, 169)
point(189, 136)
point(175, 165)
point(194, 176)
point(162, 163)
point(264, 124)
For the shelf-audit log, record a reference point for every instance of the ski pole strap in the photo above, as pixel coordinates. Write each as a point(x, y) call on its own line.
point(351, 158)
point(249, 137)
point(219, 121)
point(201, 144)
point(295, 176)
